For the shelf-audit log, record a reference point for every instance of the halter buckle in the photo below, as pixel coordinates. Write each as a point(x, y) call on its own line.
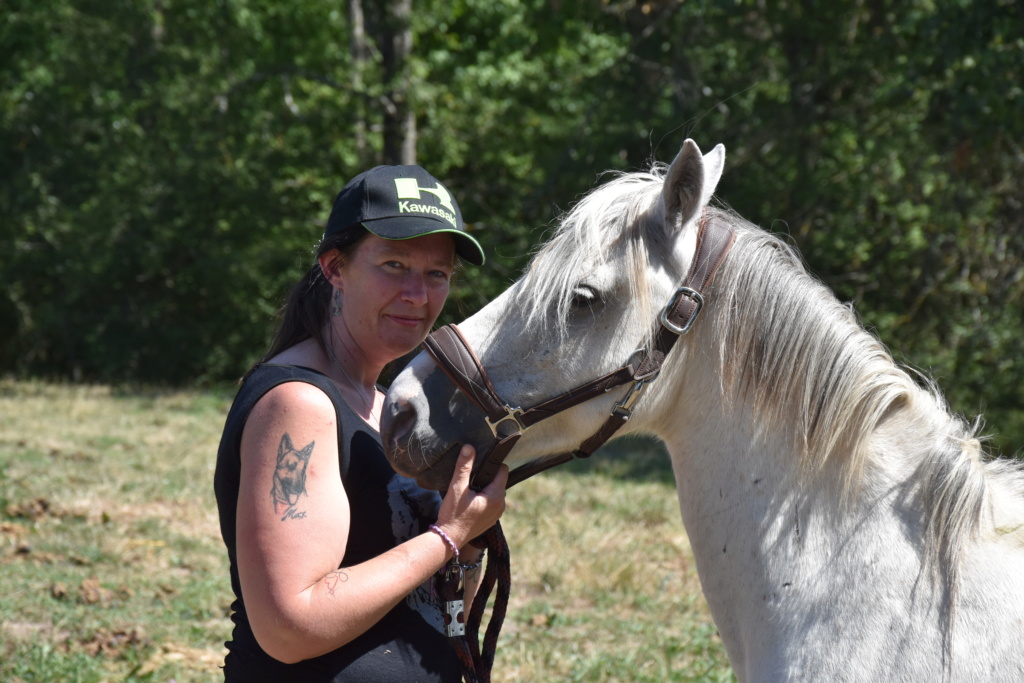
point(514, 414)
point(691, 294)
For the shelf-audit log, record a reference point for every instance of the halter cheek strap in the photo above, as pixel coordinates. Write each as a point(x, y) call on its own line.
point(454, 355)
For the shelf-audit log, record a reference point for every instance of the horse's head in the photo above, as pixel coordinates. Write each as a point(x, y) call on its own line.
point(589, 299)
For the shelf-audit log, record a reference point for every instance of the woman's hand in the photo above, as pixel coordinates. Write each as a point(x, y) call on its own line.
point(465, 513)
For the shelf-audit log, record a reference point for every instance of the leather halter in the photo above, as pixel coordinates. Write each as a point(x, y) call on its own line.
point(456, 358)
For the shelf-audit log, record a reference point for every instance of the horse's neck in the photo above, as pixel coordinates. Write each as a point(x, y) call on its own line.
point(776, 552)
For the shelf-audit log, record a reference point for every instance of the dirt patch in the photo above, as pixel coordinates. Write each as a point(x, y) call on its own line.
point(31, 510)
point(25, 631)
point(188, 658)
point(184, 518)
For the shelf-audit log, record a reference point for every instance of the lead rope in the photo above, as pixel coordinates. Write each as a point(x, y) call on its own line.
point(477, 663)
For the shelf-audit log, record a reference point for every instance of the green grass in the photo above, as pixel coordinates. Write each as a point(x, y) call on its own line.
point(112, 568)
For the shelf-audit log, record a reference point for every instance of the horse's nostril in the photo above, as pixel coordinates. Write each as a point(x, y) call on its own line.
point(396, 424)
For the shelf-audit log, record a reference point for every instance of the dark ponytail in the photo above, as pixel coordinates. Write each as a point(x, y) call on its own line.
point(308, 307)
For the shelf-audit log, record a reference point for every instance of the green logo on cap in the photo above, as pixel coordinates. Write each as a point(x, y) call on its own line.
point(407, 188)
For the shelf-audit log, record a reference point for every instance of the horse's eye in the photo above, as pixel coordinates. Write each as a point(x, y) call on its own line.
point(584, 296)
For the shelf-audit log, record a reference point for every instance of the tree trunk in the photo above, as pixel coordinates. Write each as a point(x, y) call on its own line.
point(360, 58)
point(399, 114)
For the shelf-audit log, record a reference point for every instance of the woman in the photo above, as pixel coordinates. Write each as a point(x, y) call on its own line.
point(331, 553)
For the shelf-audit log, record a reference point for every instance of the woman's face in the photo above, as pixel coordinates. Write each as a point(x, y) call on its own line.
point(392, 292)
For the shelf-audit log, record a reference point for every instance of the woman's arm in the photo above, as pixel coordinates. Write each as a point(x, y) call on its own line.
point(293, 524)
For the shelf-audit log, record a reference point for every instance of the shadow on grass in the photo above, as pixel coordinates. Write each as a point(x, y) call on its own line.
point(636, 458)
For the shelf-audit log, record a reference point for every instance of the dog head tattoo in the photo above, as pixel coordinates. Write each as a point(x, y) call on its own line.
point(290, 478)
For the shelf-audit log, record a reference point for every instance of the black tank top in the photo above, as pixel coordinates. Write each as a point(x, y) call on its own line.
point(407, 644)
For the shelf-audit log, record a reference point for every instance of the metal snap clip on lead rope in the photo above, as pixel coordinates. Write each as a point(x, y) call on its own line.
point(455, 610)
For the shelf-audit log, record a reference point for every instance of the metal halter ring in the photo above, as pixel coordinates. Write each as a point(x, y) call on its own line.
point(513, 414)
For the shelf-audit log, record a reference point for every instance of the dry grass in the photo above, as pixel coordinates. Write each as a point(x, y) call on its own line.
point(604, 583)
point(112, 569)
point(111, 562)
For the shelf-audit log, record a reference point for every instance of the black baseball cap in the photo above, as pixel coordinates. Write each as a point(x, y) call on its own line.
point(399, 203)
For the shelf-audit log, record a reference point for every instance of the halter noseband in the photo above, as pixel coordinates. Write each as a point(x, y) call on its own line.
point(456, 358)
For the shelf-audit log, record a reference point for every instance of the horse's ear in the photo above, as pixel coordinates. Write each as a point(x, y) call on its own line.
point(690, 182)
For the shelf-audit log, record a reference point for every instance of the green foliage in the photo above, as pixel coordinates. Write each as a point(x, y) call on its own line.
point(168, 166)
point(155, 211)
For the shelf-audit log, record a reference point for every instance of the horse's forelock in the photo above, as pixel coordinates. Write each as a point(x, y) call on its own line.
point(618, 217)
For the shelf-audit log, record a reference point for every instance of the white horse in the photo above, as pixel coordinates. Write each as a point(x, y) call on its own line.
point(845, 525)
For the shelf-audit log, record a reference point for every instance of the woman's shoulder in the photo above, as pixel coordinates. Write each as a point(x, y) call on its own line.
point(298, 364)
point(306, 354)
point(294, 409)
point(292, 387)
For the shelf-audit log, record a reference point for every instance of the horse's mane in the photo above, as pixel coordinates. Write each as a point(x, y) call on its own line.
point(801, 356)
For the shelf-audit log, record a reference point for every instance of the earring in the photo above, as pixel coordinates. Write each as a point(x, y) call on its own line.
point(336, 304)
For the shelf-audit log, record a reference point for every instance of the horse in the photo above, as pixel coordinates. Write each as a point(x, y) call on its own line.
point(845, 524)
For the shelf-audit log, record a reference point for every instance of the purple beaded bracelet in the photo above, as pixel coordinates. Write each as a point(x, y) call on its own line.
point(447, 539)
